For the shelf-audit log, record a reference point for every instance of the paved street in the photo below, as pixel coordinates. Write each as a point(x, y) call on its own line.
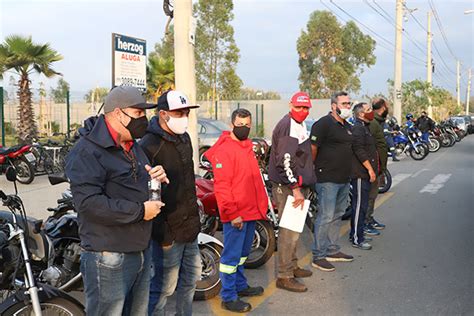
point(422, 264)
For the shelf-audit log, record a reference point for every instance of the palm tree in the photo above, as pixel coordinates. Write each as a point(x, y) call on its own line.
point(20, 55)
point(160, 76)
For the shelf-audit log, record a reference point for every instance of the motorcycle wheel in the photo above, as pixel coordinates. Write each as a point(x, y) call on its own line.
point(56, 306)
point(420, 153)
point(445, 141)
point(434, 145)
point(25, 170)
point(385, 181)
point(452, 140)
point(263, 245)
point(210, 283)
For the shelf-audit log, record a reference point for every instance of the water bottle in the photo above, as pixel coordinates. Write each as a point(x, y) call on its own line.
point(154, 190)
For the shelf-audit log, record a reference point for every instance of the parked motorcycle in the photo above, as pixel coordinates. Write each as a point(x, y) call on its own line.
point(407, 142)
point(21, 159)
point(23, 249)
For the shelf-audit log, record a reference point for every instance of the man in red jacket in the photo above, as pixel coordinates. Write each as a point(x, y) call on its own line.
point(242, 200)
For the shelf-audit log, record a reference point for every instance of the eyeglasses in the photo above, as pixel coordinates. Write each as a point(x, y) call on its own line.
point(347, 103)
point(133, 161)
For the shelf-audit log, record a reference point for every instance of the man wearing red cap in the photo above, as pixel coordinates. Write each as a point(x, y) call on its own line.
point(291, 172)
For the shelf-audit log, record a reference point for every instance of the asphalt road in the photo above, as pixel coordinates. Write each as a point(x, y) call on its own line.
point(422, 264)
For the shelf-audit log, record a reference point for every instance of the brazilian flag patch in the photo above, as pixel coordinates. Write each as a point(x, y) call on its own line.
point(313, 138)
point(218, 166)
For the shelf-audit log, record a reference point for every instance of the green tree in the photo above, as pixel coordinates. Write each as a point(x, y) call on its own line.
point(59, 93)
point(165, 48)
point(160, 76)
point(96, 95)
point(332, 56)
point(217, 54)
point(24, 57)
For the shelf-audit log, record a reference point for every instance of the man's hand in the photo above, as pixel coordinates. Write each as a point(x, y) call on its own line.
point(372, 175)
point(152, 209)
point(237, 223)
point(158, 173)
point(299, 198)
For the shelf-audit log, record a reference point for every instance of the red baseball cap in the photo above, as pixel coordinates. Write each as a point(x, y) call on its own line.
point(301, 99)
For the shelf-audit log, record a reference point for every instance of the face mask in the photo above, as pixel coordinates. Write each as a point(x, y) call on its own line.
point(137, 126)
point(369, 116)
point(241, 132)
point(344, 113)
point(178, 125)
point(384, 113)
point(299, 116)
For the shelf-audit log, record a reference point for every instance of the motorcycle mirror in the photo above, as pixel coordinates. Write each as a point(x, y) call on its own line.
point(11, 174)
point(57, 178)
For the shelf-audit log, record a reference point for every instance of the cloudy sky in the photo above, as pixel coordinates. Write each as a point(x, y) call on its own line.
point(266, 32)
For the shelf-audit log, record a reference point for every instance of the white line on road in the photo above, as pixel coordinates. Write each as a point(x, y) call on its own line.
point(436, 183)
point(399, 178)
point(416, 174)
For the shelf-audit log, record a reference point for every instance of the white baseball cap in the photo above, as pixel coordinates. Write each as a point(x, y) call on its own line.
point(174, 100)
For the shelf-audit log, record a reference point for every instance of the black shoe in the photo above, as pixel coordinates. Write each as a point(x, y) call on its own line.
point(251, 291)
point(395, 159)
point(237, 306)
point(323, 265)
point(339, 257)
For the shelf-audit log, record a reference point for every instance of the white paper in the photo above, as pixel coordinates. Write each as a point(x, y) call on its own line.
point(294, 218)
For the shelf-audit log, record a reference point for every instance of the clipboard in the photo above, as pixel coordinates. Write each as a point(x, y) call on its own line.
point(294, 218)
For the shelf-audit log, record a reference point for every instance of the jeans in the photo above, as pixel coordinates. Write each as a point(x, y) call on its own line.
point(116, 283)
point(333, 200)
point(237, 245)
point(360, 201)
point(287, 239)
point(176, 267)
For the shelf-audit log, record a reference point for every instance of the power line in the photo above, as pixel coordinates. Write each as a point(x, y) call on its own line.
point(442, 59)
point(386, 13)
point(440, 27)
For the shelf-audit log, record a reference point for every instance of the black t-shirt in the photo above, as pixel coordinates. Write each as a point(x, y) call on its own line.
point(334, 141)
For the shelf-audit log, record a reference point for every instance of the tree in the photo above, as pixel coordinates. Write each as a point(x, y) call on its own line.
point(24, 57)
point(332, 56)
point(160, 76)
point(96, 95)
point(60, 93)
point(165, 48)
point(217, 54)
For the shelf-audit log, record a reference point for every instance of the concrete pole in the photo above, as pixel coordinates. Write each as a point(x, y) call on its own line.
point(468, 94)
point(429, 65)
point(458, 82)
point(185, 77)
point(397, 82)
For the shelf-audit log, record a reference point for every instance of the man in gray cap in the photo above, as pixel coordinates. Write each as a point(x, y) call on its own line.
point(109, 176)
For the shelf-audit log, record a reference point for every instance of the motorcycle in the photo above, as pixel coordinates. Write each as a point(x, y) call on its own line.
point(407, 141)
point(62, 227)
point(21, 158)
point(23, 248)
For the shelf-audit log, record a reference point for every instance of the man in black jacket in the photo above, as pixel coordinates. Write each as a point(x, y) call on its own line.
point(425, 123)
point(109, 176)
point(364, 172)
point(176, 258)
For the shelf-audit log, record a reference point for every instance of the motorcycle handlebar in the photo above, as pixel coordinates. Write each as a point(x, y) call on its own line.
point(3, 196)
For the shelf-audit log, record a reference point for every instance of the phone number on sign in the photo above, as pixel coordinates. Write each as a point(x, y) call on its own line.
point(131, 82)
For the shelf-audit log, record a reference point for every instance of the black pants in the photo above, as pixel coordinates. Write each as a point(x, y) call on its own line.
point(359, 203)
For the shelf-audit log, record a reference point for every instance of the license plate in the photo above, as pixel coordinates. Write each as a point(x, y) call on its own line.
point(30, 157)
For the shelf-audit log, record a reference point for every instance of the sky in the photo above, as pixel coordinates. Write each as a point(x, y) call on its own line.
point(266, 32)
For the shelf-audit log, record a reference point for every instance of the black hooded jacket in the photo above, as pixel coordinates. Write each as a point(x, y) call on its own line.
point(363, 148)
point(109, 190)
point(179, 218)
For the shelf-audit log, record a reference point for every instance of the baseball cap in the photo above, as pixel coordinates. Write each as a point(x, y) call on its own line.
point(301, 99)
point(125, 97)
point(174, 100)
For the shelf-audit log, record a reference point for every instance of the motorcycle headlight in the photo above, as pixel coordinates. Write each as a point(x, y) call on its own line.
point(419, 134)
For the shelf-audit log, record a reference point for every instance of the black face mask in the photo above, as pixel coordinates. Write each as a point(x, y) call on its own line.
point(384, 113)
point(241, 132)
point(137, 126)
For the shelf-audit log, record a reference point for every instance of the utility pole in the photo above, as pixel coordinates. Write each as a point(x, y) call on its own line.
point(458, 82)
point(468, 95)
point(429, 65)
point(397, 82)
point(184, 64)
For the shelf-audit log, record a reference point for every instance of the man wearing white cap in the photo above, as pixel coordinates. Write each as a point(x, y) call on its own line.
point(176, 258)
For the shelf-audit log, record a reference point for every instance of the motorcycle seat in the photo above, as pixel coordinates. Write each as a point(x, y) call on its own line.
point(9, 150)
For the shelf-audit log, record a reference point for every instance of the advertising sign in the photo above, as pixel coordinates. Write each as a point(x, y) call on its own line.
point(128, 61)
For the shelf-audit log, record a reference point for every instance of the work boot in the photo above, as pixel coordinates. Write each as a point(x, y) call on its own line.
point(237, 306)
point(251, 291)
point(302, 273)
point(290, 284)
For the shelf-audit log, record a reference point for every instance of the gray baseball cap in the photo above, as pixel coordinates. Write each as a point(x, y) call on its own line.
point(125, 97)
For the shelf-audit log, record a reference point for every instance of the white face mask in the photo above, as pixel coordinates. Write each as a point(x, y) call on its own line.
point(178, 125)
point(344, 113)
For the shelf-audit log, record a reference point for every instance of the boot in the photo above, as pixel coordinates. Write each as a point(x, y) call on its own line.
point(237, 306)
point(302, 273)
point(291, 284)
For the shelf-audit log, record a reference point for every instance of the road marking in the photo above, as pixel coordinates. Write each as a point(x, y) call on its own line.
point(399, 178)
point(436, 183)
point(416, 174)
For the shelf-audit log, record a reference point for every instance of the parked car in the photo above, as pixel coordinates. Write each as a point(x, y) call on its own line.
point(209, 132)
point(461, 122)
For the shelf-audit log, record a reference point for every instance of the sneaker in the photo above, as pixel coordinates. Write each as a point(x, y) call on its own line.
point(363, 245)
point(302, 273)
point(251, 291)
point(395, 159)
point(370, 231)
point(237, 306)
point(367, 238)
point(291, 284)
point(339, 257)
point(377, 225)
point(323, 265)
